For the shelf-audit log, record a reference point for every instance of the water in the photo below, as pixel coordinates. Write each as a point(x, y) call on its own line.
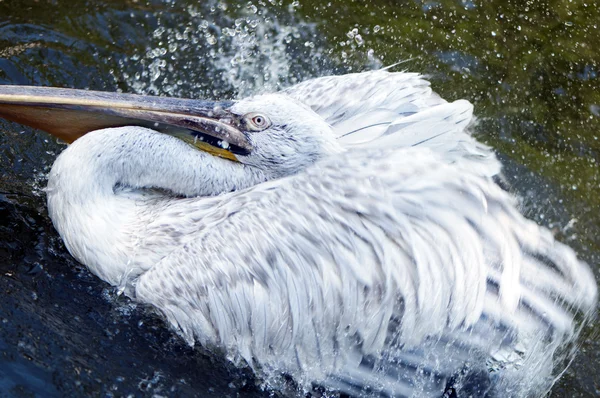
point(531, 69)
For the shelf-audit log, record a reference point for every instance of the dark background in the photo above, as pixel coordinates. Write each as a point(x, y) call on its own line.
point(531, 69)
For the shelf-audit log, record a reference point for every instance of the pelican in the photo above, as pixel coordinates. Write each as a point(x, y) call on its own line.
point(346, 231)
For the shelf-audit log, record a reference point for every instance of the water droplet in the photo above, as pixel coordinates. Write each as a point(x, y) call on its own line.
point(211, 39)
point(158, 32)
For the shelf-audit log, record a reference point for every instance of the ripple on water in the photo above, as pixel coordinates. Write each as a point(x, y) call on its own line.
point(64, 332)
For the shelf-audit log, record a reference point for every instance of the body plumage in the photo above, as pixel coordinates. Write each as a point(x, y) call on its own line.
point(360, 243)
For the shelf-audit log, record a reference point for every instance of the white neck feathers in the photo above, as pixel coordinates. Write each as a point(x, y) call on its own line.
point(96, 218)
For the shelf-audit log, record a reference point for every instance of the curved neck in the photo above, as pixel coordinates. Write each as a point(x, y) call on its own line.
point(138, 157)
point(95, 218)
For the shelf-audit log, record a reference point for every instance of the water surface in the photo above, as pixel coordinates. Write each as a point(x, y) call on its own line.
point(531, 69)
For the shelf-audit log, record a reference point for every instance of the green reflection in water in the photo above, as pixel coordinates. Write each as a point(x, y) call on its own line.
point(531, 69)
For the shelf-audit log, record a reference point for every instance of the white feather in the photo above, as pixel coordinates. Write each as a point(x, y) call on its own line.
point(390, 266)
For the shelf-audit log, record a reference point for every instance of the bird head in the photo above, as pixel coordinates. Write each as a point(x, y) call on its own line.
point(285, 135)
point(271, 132)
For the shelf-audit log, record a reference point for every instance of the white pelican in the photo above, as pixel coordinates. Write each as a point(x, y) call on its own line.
point(345, 231)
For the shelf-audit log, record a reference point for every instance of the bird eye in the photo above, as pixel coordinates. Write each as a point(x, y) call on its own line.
point(258, 122)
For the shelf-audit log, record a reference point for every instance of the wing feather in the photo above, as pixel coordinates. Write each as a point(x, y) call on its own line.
point(384, 271)
point(391, 110)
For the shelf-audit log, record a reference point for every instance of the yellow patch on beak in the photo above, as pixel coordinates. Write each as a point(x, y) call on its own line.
point(204, 146)
point(213, 150)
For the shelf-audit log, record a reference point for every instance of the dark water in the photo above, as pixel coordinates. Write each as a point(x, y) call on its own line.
point(531, 68)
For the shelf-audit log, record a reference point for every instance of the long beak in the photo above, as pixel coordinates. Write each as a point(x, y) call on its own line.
point(69, 114)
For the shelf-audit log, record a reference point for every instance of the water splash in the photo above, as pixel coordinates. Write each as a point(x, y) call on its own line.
point(221, 51)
